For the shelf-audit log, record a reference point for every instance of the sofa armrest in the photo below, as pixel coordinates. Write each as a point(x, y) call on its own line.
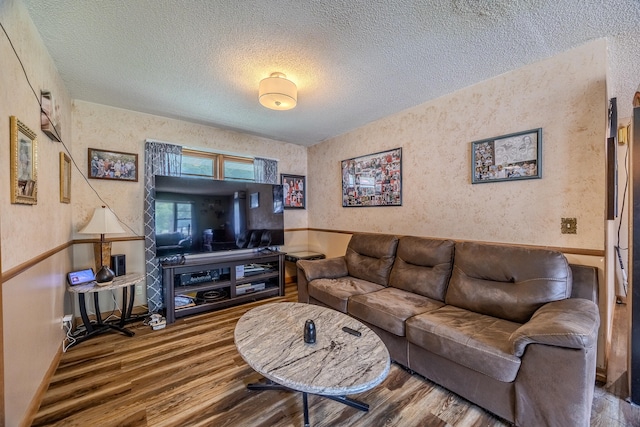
point(585, 282)
point(308, 270)
point(329, 268)
point(569, 323)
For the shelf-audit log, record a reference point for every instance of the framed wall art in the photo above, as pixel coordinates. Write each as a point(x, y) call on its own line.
point(294, 188)
point(50, 116)
point(113, 165)
point(255, 200)
point(65, 178)
point(373, 180)
point(24, 163)
point(507, 158)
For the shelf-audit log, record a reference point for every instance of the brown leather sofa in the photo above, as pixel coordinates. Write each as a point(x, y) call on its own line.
point(512, 329)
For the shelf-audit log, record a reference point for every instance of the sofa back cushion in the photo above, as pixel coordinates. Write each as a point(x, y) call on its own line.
point(370, 256)
point(423, 266)
point(507, 282)
point(168, 239)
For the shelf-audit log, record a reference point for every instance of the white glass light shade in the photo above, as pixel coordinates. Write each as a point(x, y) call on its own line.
point(278, 93)
point(103, 221)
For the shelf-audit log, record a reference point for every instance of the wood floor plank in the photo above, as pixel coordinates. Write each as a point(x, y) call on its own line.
point(190, 374)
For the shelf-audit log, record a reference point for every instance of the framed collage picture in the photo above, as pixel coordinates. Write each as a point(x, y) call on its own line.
point(373, 180)
point(507, 158)
point(294, 188)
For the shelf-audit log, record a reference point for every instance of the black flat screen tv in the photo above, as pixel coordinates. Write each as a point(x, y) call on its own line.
point(195, 215)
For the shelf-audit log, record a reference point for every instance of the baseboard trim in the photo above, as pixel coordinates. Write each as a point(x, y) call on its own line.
point(32, 409)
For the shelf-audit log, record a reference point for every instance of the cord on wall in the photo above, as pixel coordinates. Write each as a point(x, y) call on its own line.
point(623, 273)
point(24, 71)
point(69, 339)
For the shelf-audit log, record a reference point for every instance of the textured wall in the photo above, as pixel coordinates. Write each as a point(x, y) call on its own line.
point(564, 95)
point(33, 301)
point(23, 234)
point(102, 127)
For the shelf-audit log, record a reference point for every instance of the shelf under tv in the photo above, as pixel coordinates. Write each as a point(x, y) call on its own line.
point(236, 287)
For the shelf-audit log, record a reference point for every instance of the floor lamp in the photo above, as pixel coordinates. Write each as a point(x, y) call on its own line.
point(103, 221)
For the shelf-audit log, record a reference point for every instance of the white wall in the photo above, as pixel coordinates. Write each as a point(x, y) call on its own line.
point(33, 300)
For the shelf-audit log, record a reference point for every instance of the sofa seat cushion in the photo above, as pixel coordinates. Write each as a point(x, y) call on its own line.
point(335, 293)
point(389, 308)
point(473, 340)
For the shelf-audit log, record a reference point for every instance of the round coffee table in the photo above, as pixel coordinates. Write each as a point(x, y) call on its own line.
point(270, 339)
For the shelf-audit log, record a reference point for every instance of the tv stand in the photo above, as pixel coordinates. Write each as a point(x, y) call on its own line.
point(216, 282)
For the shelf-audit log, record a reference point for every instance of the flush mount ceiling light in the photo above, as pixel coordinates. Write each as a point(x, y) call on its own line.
point(278, 93)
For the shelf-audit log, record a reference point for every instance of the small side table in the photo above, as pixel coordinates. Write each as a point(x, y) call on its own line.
point(307, 255)
point(127, 283)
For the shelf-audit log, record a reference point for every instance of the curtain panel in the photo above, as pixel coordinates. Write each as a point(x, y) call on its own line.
point(265, 170)
point(159, 159)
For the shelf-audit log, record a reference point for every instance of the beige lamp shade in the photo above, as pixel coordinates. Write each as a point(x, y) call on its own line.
point(103, 221)
point(278, 93)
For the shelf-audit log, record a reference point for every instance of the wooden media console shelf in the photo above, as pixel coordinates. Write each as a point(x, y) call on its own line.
point(216, 282)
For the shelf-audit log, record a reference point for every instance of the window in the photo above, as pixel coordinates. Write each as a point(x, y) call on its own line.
point(217, 166)
point(238, 169)
point(174, 217)
point(199, 164)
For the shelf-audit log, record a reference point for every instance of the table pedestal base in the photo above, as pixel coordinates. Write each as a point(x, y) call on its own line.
point(99, 326)
point(270, 385)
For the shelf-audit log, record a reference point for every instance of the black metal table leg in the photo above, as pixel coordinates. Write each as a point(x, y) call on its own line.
point(104, 325)
point(132, 297)
point(100, 326)
point(266, 385)
point(305, 405)
point(127, 304)
point(84, 315)
point(271, 385)
point(123, 313)
point(349, 402)
point(96, 308)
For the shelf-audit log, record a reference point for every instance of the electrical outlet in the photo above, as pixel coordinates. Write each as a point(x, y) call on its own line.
point(569, 225)
point(67, 320)
point(138, 289)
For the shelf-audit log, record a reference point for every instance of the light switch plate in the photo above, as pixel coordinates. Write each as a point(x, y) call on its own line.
point(569, 225)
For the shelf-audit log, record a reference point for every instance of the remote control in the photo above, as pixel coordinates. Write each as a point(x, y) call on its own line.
point(351, 331)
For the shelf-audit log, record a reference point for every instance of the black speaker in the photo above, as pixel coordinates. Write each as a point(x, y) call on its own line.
point(118, 265)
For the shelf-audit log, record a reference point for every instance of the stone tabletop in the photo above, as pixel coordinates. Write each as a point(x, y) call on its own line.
point(117, 282)
point(270, 339)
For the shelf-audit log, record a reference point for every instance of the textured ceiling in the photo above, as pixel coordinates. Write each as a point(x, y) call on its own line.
point(353, 61)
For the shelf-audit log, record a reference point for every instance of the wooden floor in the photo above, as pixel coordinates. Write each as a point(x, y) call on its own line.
point(190, 374)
